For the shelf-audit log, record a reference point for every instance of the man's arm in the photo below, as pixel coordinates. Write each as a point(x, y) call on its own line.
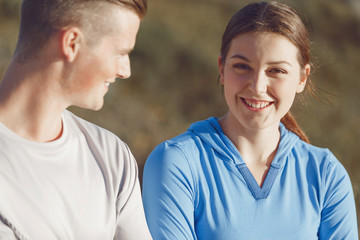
point(131, 222)
point(6, 233)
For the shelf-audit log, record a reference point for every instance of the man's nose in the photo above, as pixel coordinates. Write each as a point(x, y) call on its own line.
point(124, 69)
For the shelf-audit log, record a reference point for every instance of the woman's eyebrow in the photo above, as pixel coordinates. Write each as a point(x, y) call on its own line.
point(279, 62)
point(240, 57)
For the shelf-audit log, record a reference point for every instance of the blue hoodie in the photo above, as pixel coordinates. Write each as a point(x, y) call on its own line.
point(197, 186)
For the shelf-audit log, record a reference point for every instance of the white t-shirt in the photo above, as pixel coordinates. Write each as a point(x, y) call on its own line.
point(83, 186)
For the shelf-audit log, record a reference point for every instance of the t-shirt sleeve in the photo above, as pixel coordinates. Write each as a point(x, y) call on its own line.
point(131, 223)
point(168, 194)
point(6, 233)
point(338, 216)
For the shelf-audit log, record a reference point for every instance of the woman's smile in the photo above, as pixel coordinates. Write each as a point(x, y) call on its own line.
point(261, 76)
point(256, 105)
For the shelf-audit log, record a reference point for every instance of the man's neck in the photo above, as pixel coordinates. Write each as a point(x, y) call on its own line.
point(29, 106)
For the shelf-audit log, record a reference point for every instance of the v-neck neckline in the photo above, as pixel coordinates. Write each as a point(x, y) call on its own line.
point(257, 191)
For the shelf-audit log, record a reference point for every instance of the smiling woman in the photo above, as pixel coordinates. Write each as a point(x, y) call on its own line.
point(261, 76)
point(251, 174)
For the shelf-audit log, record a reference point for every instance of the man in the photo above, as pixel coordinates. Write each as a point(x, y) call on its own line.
point(62, 177)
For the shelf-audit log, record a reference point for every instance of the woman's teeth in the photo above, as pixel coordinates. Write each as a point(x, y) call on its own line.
point(257, 105)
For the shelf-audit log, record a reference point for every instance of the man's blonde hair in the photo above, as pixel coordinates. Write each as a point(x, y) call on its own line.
point(42, 18)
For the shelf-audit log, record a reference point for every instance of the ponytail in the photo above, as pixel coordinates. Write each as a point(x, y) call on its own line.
point(290, 123)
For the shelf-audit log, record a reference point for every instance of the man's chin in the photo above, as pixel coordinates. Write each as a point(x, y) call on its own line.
point(94, 107)
point(97, 108)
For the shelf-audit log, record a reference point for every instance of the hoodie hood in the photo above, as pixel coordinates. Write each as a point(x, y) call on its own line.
point(212, 134)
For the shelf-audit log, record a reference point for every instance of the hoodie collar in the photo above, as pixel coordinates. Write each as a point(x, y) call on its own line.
point(212, 134)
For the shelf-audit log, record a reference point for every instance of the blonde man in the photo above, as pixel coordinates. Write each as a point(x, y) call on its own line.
point(62, 177)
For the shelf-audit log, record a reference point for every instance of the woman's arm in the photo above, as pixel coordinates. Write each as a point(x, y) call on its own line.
point(338, 216)
point(168, 194)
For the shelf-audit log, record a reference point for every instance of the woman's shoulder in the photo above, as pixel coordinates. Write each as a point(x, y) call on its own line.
point(183, 140)
point(185, 148)
point(177, 147)
point(318, 158)
point(314, 152)
point(193, 138)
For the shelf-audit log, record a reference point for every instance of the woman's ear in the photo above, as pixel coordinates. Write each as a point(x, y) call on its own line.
point(303, 79)
point(221, 70)
point(71, 39)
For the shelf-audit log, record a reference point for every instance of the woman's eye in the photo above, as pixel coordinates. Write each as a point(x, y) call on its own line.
point(277, 70)
point(241, 66)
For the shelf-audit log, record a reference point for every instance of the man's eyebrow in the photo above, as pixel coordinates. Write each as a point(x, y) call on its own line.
point(240, 57)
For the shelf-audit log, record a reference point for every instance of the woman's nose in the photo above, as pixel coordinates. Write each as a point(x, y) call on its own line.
point(259, 83)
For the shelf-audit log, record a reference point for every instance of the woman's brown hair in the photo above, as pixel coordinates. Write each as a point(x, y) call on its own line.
point(276, 18)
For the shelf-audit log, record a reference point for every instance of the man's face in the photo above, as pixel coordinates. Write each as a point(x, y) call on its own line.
point(98, 66)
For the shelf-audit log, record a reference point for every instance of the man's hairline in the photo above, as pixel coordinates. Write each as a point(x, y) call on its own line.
point(87, 32)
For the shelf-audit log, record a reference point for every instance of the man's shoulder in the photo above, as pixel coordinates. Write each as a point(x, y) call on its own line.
point(93, 133)
point(84, 126)
point(101, 141)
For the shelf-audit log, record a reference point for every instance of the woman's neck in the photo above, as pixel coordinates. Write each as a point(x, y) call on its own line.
point(257, 146)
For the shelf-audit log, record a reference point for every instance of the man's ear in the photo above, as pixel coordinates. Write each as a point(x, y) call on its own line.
point(303, 79)
point(221, 71)
point(71, 39)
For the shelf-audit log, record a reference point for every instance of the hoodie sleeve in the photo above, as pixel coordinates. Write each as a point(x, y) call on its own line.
point(338, 216)
point(168, 194)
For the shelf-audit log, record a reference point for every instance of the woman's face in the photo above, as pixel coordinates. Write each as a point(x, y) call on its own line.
point(261, 75)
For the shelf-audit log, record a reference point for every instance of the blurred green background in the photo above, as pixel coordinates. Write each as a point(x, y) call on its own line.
point(174, 79)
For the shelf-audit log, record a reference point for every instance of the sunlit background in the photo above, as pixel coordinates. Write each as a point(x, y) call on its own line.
point(174, 75)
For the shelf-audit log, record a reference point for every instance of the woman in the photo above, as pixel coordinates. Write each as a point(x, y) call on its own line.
point(251, 174)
